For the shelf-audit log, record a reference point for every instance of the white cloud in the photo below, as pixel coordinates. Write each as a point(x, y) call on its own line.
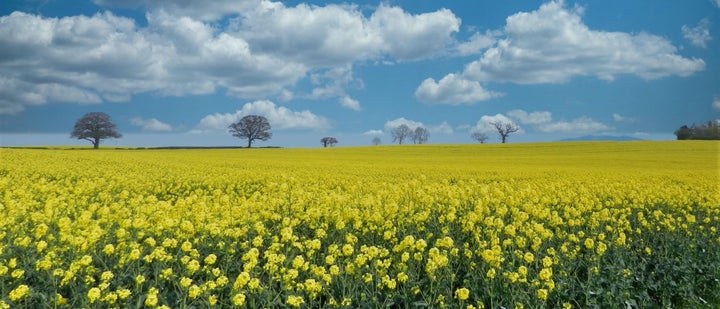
point(476, 43)
point(443, 128)
point(578, 125)
point(151, 124)
point(373, 132)
point(333, 35)
point(411, 37)
point(717, 3)
point(716, 103)
point(350, 103)
point(552, 45)
point(196, 9)
point(453, 90)
point(530, 118)
point(620, 118)
point(484, 124)
point(698, 35)
point(279, 118)
point(262, 50)
point(402, 121)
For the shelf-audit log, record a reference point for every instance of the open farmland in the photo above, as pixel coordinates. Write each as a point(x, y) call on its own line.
point(546, 225)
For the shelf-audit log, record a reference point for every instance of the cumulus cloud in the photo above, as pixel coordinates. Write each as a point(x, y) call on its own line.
point(373, 132)
point(453, 90)
point(698, 35)
point(530, 118)
point(333, 83)
point(484, 124)
point(280, 117)
point(476, 43)
point(716, 103)
point(442, 128)
point(402, 121)
point(620, 118)
point(262, 50)
point(337, 34)
point(579, 125)
point(542, 121)
point(151, 124)
point(553, 45)
point(196, 9)
point(411, 37)
point(350, 103)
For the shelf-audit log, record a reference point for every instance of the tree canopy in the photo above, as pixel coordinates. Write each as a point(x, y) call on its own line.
point(400, 133)
point(504, 129)
point(328, 141)
point(707, 131)
point(95, 127)
point(251, 127)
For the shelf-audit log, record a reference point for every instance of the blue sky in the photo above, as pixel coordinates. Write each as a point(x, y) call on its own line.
point(178, 72)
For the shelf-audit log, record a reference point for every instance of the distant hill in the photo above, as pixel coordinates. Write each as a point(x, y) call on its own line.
point(601, 138)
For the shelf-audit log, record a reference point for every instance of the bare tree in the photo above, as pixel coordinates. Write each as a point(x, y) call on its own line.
point(504, 129)
point(94, 127)
point(400, 133)
point(420, 135)
point(376, 141)
point(480, 137)
point(328, 141)
point(251, 127)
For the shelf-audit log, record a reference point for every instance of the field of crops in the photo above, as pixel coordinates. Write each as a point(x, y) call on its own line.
point(547, 225)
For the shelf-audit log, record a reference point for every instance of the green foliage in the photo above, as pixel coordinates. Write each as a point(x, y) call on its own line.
point(708, 131)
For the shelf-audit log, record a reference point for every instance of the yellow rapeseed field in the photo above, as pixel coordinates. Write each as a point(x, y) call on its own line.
point(546, 225)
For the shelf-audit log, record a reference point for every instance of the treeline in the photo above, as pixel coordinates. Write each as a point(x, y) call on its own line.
point(707, 131)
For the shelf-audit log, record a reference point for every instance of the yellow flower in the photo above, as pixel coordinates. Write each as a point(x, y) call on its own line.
point(108, 249)
point(210, 259)
point(134, 254)
point(185, 282)
point(194, 291)
point(212, 300)
point(18, 293)
point(17, 273)
point(545, 274)
point(151, 300)
point(93, 295)
point(295, 301)
point(402, 277)
point(347, 250)
point(239, 299)
point(193, 266)
point(589, 243)
point(542, 294)
point(106, 276)
point(123, 293)
point(547, 261)
point(139, 279)
point(186, 246)
point(528, 257)
point(462, 293)
point(491, 273)
point(60, 300)
point(522, 270)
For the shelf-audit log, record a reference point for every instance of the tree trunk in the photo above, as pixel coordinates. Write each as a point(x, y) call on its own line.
point(96, 143)
point(503, 139)
point(249, 143)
